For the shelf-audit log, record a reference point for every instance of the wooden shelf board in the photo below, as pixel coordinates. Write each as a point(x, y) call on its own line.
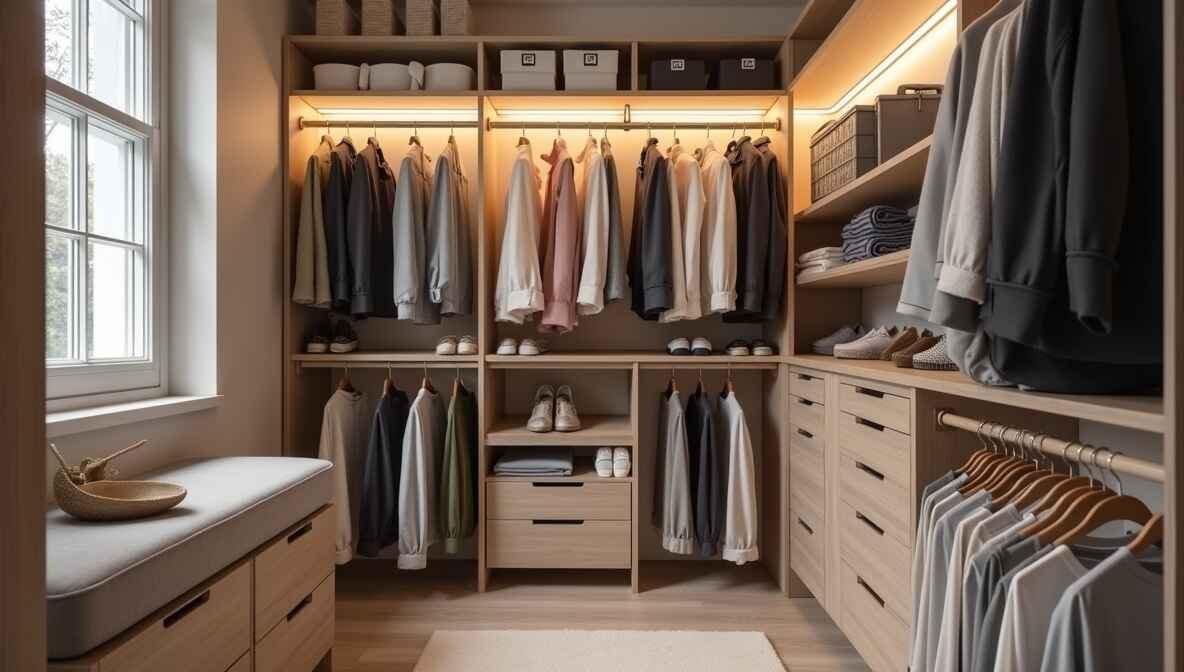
point(885, 270)
point(381, 356)
point(1137, 412)
point(818, 18)
point(452, 100)
point(598, 430)
point(897, 182)
point(378, 49)
point(640, 100)
point(626, 359)
point(583, 471)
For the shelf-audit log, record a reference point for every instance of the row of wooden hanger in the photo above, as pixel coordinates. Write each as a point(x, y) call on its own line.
point(1067, 507)
point(389, 386)
point(729, 385)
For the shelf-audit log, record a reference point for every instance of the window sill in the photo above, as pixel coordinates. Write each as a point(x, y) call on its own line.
point(64, 423)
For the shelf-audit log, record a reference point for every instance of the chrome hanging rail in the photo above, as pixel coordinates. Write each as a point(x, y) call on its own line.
point(363, 124)
point(1068, 450)
point(719, 125)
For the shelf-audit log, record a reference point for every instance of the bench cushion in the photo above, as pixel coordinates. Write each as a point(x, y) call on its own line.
point(104, 577)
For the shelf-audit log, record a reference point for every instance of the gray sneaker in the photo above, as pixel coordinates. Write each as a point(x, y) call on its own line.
point(869, 347)
point(566, 418)
point(844, 334)
point(542, 418)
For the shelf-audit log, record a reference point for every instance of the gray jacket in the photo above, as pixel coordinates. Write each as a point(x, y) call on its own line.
point(341, 171)
point(409, 222)
point(449, 266)
point(615, 284)
point(672, 512)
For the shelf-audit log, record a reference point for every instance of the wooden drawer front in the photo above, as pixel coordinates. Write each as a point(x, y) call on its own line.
point(243, 664)
point(885, 449)
point(807, 385)
point(205, 631)
point(558, 501)
point(302, 637)
point(873, 403)
point(809, 415)
point(865, 489)
point(290, 567)
point(878, 557)
point(807, 551)
point(590, 544)
point(807, 476)
point(879, 636)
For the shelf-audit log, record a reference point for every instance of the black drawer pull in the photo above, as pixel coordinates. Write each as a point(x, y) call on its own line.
point(875, 596)
point(804, 376)
point(864, 519)
point(869, 392)
point(303, 530)
point(804, 402)
point(186, 609)
point(806, 527)
point(300, 607)
point(557, 484)
point(557, 522)
point(869, 471)
point(869, 424)
point(804, 433)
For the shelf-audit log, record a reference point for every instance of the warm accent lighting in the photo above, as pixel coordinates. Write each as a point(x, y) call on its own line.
point(403, 114)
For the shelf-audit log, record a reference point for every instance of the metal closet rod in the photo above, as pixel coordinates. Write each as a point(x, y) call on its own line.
point(1073, 451)
point(386, 365)
point(384, 123)
point(774, 125)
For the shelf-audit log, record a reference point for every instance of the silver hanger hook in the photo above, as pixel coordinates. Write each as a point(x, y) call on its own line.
point(979, 433)
point(708, 130)
point(1110, 468)
point(1065, 456)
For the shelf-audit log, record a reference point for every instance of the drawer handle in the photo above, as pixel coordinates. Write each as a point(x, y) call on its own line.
point(557, 522)
point(866, 521)
point(805, 402)
point(300, 607)
point(304, 529)
point(875, 596)
point(804, 433)
point(869, 392)
point(804, 376)
point(186, 609)
point(869, 424)
point(806, 527)
point(869, 471)
point(556, 484)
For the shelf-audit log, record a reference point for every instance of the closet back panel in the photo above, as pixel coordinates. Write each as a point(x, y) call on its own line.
point(595, 392)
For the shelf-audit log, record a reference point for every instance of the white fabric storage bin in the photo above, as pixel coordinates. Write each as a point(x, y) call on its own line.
point(528, 70)
point(590, 70)
point(448, 77)
point(336, 77)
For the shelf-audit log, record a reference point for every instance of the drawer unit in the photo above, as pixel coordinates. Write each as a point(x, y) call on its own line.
point(879, 636)
point(207, 630)
point(807, 550)
point(807, 385)
point(570, 544)
point(887, 405)
point(884, 449)
point(871, 491)
point(807, 471)
point(809, 415)
point(884, 561)
point(290, 567)
point(558, 500)
point(303, 635)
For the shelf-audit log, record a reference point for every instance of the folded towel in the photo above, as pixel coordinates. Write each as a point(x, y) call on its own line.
point(822, 253)
point(819, 266)
point(873, 248)
point(882, 215)
point(534, 462)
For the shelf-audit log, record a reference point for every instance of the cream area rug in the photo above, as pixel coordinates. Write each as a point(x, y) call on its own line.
point(597, 651)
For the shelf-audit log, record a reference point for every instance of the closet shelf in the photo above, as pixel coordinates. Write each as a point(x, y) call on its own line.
point(583, 471)
point(897, 182)
point(1134, 411)
point(599, 430)
point(885, 270)
point(626, 359)
point(379, 357)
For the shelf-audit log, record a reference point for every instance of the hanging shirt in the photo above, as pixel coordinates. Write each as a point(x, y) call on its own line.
point(950, 628)
point(615, 282)
point(560, 243)
point(458, 502)
point(707, 473)
point(594, 204)
point(742, 517)
point(650, 274)
point(519, 291)
point(933, 493)
point(1034, 593)
point(423, 442)
point(753, 211)
point(687, 216)
point(311, 286)
point(343, 442)
point(371, 202)
point(1001, 529)
point(449, 255)
point(409, 222)
point(378, 525)
point(672, 512)
point(777, 234)
point(341, 171)
point(717, 247)
point(1003, 565)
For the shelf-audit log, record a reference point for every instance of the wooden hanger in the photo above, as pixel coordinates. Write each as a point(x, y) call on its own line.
point(1113, 508)
point(345, 384)
point(979, 457)
point(1039, 488)
point(993, 471)
point(729, 386)
point(388, 385)
point(1006, 492)
point(1069, 508)
point(1152, 533)
point(672, 384)
point(456, 383)
point(427, 380)
point(414, 139)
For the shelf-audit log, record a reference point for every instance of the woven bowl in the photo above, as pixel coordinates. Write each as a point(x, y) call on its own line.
point(115, 500)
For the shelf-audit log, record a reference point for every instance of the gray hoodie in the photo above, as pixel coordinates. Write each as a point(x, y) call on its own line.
point(672, 493)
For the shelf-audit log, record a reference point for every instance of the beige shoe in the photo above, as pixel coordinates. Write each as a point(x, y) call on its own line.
point(622, 464)
point(542, 418)
point(566, 418)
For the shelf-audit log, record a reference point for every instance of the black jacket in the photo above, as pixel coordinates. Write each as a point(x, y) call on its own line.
point(778, 231)
point(1075, 267)
point(370, 235)
point(650, 275)
point(750, 184)
point(709, 496)
point(378, 519)
point(341, 170)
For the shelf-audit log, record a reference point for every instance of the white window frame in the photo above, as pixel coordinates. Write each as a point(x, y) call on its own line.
point(79, 383)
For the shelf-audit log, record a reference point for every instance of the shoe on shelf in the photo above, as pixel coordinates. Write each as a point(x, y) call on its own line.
point(622, 464)
point(345, 339)
point(844, 334)
point(904, 358)
point(869, 346)
point(738, 348)
point(530, 346)
point(935, 358)
point(566, 418)
point(319, 343)
point(604, 462)
point(903, 339)
point(508, 346)
point(762, 348)
point(679, 347)
point(701, 347)
point(446, 346)
point(467, 345)
point(542, 417)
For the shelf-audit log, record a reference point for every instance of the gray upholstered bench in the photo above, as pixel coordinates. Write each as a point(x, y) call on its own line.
point(244, 563)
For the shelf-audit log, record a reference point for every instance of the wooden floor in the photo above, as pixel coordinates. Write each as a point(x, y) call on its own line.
point(385, 617)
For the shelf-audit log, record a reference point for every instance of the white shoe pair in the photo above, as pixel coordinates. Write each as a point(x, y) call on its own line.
point(451, 345)
point(613, 462)
point(528, 346)
point(553, 410)
point(681, 347)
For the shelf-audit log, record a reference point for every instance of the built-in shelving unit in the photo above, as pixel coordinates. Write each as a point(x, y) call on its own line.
point(597, 430)
point(583, 471)
point(896, 182)
point(884, 270)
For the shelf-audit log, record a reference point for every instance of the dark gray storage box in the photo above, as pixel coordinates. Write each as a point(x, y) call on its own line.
point(672, 74)
point(904, 119)
point(746, 73)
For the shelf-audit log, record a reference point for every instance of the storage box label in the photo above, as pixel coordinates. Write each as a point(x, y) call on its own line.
point(748, 64)
point(528, 60)
point(678, 64)
point(591, 59)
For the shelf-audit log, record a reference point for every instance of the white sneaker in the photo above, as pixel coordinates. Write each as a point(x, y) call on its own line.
point(446, 346)
point(701, 346)
point(542, 418)
point(529, 346)
point(467, 345)
point(566, 418)
point(679, 347)
point(508, 346)
point(622, 464)
point(604, 462)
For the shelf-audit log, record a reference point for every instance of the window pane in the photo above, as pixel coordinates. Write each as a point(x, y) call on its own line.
point(112, 176)
point(114, 61)
point(61, 298)
point(115, 302)
point(59, 170)
point(59, 40)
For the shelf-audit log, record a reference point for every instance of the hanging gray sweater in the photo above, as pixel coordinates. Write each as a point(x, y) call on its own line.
point(672, 490)
point(707, 473)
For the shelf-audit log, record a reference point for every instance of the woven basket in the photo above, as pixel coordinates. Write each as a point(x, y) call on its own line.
point(379, 18)
point(456, 17)
point(422, 18)
point(336, 17)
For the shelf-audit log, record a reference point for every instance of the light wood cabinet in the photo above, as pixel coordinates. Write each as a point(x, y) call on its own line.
point(871, 625)
point(887, 405)
point(588, 544)
point(557, 500)
point(300, 639)
point(290, 567)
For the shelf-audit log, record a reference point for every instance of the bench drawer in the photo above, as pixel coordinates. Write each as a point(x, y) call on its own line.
point(302, 637)
point(574, 544)
point(870, 491)
point(809, 415)
point(807, 385)
point(807, 472)
point(866, 546)
point(807, 554)
point(883, 448)
point(562, 500)
point(879, 636)
point(289, 567)
point(873, 402)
